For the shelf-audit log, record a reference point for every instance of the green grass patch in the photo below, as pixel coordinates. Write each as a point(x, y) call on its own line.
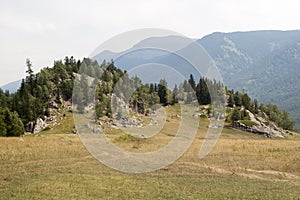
point(248, 123)
point(46, 129)
point(125, 138)
point(65, 126)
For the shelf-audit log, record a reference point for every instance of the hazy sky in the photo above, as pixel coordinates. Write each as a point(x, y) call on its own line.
point(45, 31)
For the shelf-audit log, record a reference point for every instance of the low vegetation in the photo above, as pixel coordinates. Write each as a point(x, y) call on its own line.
point(241, 166)
point(248, 123)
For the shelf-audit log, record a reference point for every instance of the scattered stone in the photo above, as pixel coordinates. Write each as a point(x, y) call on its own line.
point(165, 168)
point(196, 114)
point(175, 116)
point(215, 125)
point(153, 122)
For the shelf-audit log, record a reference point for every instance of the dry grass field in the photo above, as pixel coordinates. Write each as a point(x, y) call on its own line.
point(55, 165)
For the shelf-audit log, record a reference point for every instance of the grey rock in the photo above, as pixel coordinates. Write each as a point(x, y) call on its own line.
point(39, 125)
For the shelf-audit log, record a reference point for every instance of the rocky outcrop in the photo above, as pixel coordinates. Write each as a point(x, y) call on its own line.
point(260, 126)
point(35, 127)
point(39, 125)
point(29, 127)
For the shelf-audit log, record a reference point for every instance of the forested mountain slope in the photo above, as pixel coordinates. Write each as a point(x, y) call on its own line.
point(265, 64)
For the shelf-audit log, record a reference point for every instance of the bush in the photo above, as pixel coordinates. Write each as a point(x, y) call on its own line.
point(236, 115)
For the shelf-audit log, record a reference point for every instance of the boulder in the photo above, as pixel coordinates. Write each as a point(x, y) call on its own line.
point(39, 125)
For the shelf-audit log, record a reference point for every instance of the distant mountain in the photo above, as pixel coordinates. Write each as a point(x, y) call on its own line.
point(12, 87)
point(265, 64)
point(160, 51)
point(237, 51)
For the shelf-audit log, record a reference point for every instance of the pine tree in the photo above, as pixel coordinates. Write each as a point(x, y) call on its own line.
point(246, 101)
point(192, 82)
point(236, 115)
point(202, 92)
point(255, 106)
point(151, 88)
point(230, 102)
point(175, 94)
point(186, 86)
point(155, 87)
point(237, 99)
point(162, 91)
point(3, 130)
point(30, 76)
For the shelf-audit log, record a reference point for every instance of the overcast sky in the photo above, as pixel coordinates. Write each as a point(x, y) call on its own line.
point(45, 31)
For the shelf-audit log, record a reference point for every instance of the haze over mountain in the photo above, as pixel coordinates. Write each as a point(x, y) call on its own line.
point(265, 64)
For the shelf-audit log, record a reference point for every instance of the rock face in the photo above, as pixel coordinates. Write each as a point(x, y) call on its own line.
point(39, 125)
point(29, 127)
point(262, 126)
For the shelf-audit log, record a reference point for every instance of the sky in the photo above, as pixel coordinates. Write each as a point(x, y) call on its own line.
point(44, 31)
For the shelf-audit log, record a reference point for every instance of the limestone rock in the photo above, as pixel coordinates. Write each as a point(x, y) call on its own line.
point(39, 125)
point(262, 129)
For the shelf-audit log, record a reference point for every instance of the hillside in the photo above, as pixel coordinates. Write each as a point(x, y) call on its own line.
point(257, 62)
point(260, 62)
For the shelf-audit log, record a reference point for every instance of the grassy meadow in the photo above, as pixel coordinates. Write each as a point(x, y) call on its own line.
point(55, 165)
